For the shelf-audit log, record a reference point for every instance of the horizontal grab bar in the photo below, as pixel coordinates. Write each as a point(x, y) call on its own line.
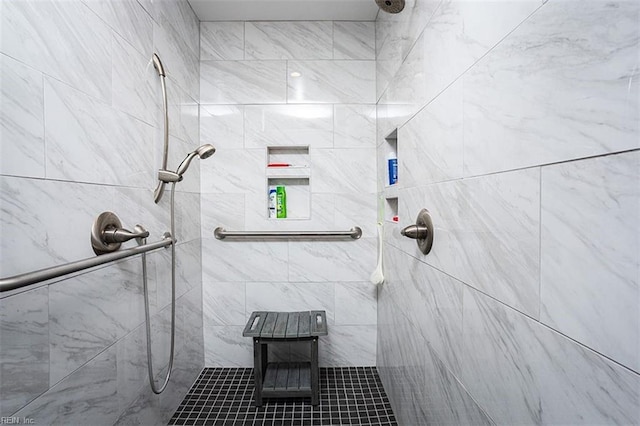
point(18, 281)
point(221, 233)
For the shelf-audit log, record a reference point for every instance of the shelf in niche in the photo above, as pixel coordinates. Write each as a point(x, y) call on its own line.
point(288, 172)
point(296, 156)
point(298, 197)
point(390, 191)
point(390, 146)
point(295, 178)
point(390, 209)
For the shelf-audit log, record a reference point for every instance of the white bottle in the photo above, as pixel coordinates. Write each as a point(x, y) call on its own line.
point(272, 202)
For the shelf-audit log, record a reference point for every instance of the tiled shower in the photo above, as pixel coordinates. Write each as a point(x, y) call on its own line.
point(516, 124)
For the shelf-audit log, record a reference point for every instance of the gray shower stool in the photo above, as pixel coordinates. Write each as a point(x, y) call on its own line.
point(285, 379)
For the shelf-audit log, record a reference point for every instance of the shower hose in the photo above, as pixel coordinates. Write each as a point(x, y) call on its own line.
point(154, 388)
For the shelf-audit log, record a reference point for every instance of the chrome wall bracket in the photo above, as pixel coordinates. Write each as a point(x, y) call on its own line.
point(107, 233)
point(422, 231)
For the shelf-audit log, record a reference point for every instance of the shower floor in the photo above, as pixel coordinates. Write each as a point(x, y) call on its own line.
point(224, 396)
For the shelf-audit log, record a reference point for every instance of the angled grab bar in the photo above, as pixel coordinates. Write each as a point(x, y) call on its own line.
point(18, 281)
point(221, 233)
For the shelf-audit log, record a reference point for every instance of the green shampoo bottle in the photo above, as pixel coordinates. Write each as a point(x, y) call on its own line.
point(281, 202)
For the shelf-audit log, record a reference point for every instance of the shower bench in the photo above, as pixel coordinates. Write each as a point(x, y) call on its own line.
point(285, 379)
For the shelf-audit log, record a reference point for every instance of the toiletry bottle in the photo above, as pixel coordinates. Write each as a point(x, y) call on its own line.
point(281, 202)
point(392, 167)
point(272, 202)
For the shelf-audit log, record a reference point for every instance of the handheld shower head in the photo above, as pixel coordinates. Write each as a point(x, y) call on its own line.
point(204, 152)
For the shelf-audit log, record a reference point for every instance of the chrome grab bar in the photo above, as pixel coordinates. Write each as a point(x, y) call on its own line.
point(22, 280)
point(221, 233)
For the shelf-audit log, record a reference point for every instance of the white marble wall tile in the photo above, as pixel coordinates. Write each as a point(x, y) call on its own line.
point(354, 126)
point(226, 347)
point(161, 341)
point(523, 372)
point(243, 82)
point(159, 279)
point(421, 388)
point(562, 86)
point(356, 209)
point(321, 214)
point(331, 82)
point(354, 40)
point(288, 40)
point(332, 260)
point(144, 410)
point(224, 303)
point(430, 147)
point(288, 125)
point(458, 34)
point(81, 132)
point(135, 85)
point(21, 120)
point(347, 346)
point(132, 372)
point(391, 115)
point(478, 224)
point(182, 18)
point(234, 171)
point(291, 297)
point(24, 348)
point(128, 19)
point(590, 237)
point(500, 350)
point(441, 397)
point(409, 89)
point(432, 302)
point(187, 216)
point(89, 312)
point(396, 34)
point(183, 114)
point(89, 396)
point(221, 41)
point(343, 171)
point(225, 210)
point(388, 54)
point(188, 275)
point(222, 126)
point(41, 35)
point(170, 399)
point(180, 62)
point(356, 303)
point(582, 387)
point(189, 338)
point(189, 266)
point(244, 260)
point(30, 206)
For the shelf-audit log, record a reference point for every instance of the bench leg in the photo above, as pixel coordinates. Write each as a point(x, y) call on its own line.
point(315, 386)
point(259, 368)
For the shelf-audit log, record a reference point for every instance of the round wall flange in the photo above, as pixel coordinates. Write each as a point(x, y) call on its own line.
point(104, 222)
point(422, 231)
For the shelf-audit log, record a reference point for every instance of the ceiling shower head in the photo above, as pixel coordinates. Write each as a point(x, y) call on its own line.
point(391, 6)
point(204, 152)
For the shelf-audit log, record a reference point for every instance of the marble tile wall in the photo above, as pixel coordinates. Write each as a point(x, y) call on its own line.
point(81, 131)
point(279, 84)
point(518, 129)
